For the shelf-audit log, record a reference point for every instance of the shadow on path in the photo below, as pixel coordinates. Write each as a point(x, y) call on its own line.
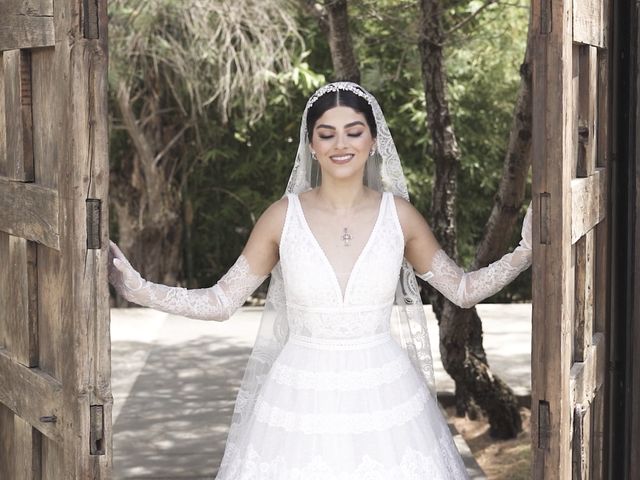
point(174, 422)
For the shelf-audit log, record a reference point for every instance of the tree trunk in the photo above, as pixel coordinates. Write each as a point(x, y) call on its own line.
point(495, 240)
point(345, 65)
point(462, 352)
point(147, 210)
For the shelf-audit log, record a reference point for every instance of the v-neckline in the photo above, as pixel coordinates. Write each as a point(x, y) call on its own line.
point(341, 295)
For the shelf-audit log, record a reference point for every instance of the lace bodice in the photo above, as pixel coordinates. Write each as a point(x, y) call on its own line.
point(316, 305)
point(325, 300)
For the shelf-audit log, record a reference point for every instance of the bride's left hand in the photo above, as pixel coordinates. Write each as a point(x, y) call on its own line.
point(122, 275)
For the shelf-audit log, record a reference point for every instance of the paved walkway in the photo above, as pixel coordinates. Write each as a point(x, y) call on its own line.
point(175, 380)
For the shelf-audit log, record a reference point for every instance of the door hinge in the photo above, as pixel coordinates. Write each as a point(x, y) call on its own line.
point(94, 215)
point(544, 424)
point(96, 433)
point(90, 17)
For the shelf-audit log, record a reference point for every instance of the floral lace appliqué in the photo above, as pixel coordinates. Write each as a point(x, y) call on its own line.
point(341, 423)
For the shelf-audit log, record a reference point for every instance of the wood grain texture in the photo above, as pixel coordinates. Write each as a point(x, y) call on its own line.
point(584, 280)
point(589, 22)
point(7, 443)
point(31, 212)
point(45, 117)
point(5, 291)
point(22, 343)
point(553, 163)
point(569, 141)
point(31, 394)
point(66, 95)
point(27, 464)
point(3, 124)
point(586, 108)
point(83, 173)
point(588, 203)
point(26, 24)
point(588, 376)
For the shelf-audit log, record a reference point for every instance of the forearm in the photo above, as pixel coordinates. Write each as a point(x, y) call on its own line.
point(202, 304)
point(466, 289)
point(218, 302)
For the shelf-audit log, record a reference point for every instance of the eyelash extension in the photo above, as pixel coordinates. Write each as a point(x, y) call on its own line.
point(353, 135)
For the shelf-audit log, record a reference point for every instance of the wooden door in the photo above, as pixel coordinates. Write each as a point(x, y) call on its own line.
point(570, 275)
point(55, 400)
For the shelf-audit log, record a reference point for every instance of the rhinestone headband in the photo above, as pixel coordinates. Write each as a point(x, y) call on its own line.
point(336, 86)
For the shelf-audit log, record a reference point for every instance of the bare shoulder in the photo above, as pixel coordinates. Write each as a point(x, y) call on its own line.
point(271, 222)
point(411, 220)
point(261, 249)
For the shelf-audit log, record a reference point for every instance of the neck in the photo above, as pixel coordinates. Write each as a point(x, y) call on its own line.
point(341, 195)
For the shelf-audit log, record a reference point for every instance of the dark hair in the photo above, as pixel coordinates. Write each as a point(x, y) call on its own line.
point(341, 98)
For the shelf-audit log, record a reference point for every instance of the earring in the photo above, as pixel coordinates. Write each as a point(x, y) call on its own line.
point(314, 156)
point(372, 152)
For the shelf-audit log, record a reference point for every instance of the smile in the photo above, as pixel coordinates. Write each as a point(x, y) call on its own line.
point(341, 158)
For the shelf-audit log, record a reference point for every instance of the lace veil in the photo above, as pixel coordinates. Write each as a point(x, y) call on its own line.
point(383, 172)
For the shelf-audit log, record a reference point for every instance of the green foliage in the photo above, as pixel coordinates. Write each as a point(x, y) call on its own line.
point(247, 162)
point(239, 179)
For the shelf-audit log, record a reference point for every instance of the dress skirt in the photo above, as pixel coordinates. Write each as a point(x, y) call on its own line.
point(345, 409)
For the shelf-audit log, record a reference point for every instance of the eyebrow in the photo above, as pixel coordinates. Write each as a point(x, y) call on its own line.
point(348, 125)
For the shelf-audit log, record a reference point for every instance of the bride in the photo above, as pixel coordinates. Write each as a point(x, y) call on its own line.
point(339, 384)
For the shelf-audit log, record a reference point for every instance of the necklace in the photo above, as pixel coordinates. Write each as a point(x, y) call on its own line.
point(346, 237)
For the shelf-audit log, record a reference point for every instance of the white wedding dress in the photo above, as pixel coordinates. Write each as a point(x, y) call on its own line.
point(342, 401)
point(328, 393)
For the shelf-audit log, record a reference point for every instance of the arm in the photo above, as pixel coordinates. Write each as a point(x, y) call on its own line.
point(465, 289)
point(220, 301)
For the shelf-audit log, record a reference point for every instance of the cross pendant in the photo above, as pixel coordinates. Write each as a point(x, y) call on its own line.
point(346, 237)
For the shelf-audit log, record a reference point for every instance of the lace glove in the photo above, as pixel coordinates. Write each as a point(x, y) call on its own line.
point(467, 289)
point(218, 302)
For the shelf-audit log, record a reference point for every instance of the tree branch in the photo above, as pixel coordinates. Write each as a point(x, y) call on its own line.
point(470, 17)
point(140, 142)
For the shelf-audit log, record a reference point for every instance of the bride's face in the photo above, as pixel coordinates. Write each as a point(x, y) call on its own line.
point(342, 141)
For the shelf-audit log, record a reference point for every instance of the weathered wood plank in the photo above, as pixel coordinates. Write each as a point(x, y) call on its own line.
point(589, 22)
point(83, 173)
point(22, 343)
point(553, 153)
point(587, 121)
point(30, 211)
point(3, 124)
point(588, 203)
point(587, 377)
point(26, 24)
point(28, 443)
point(47, 127)
point(52, 460)
point(86, 172)
point(17, 91)
point(605, 96)
point(583, 319)
point(597, 436)
point(46, 108)
point(579, 439)
point(5, 289)
point(32, 395)
point(7, 443)
point(19, 448)
point(574, 108)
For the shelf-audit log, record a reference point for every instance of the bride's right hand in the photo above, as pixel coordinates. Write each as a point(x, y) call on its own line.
point(122, 275)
